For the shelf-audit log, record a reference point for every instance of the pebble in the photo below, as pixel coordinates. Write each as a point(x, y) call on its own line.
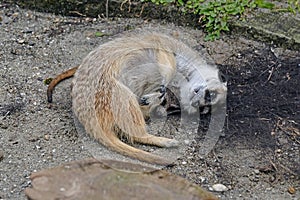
point(21, 41)
point(278, 150)
point(219, 187)
point(186, 141)
point(203, 179)
point(291, 190)
point(46, 137)
point(256, 171)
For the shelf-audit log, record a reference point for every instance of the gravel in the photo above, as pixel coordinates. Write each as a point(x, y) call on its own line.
point(35, 46)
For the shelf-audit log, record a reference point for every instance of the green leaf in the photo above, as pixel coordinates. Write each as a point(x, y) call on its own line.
point(100, 34)
point(264, 4)
point(47, 81)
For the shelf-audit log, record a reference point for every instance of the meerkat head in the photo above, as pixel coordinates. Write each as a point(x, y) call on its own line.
point(192, 94)
point(216, 92)
point(202, 92)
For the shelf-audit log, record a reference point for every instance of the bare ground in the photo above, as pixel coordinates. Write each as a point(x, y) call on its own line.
point(258, 158)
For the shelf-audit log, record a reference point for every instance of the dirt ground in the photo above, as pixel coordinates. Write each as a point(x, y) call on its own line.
point(256, 158)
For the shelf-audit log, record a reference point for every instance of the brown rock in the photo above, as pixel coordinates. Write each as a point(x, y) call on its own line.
point(291, 190)
point(91, 179)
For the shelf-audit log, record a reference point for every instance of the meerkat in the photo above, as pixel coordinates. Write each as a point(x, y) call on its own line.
point(117, 85)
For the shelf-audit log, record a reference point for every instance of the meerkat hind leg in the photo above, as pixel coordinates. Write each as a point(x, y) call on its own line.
point(104, 130)
point(156, 141)
point(114, 143)
point(139, 134)
point(131, 121)
point(151, 101)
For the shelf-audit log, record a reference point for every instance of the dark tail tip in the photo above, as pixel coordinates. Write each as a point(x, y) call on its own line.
point(49, 97)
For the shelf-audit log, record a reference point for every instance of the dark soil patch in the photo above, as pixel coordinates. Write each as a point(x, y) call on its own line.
point(262, 90)
point(263, 100)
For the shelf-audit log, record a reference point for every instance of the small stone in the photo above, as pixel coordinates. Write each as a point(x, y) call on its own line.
point(20, 41)
point(203, 179)
point(273, 133)
point(219, 187)
point(47, 137)
point(186, 141)
point(256, 171)
point(15, 14)
point(184, 162)
point(291, 190)
point(278, 150)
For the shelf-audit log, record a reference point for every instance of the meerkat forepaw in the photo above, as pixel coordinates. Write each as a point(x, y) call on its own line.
point(144, 101)
point(170, 143)
point(163, 91)
point(150, 99)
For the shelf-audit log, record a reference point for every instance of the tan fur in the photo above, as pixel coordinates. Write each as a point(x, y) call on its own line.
point(146, 109)
point(111, 79)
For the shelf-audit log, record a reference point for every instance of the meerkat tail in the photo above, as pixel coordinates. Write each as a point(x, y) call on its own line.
point(67, 74)
point(114, 143)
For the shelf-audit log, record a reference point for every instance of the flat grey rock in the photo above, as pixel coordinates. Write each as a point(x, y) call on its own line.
point(91, 179)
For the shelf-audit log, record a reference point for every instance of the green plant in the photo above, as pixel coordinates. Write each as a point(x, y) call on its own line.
point(214, 14)
point(294, 6)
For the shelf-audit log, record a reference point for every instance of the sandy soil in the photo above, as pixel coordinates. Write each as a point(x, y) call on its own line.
point(256, 158)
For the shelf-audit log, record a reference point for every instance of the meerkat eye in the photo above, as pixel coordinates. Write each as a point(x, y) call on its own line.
point(210, 96)
point(213, 95)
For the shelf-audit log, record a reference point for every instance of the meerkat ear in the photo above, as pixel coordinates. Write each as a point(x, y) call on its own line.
point(223, 78)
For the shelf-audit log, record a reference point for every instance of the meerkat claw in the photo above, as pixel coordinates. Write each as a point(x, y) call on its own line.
point(163, 91)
